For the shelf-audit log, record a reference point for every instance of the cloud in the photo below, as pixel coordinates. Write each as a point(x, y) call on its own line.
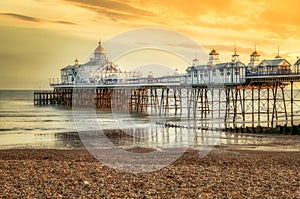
point(34, 19)
point(258, 15)
point(22, 17)
point(112, 5)
point(115, 16)
point(64, 22)
point(114, 10)
point(262, 16)
point(249, 21)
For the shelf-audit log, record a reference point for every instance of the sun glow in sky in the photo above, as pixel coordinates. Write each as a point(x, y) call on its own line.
point(38, 38)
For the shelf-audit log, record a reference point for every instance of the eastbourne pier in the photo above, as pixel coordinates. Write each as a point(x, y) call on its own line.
point(251, 97)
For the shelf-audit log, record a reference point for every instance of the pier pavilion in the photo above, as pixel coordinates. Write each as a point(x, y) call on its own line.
point(98, 70)
point(216, 73)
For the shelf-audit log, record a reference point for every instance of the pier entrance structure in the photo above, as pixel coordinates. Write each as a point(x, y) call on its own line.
point(260, 94)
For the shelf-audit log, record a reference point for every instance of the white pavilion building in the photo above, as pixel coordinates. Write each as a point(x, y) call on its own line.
point(216, 73)
point(98, 70)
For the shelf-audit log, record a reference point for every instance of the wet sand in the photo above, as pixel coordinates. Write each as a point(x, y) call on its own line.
point(231, 171)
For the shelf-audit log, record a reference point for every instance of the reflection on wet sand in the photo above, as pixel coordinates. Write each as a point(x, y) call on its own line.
point(157, 137)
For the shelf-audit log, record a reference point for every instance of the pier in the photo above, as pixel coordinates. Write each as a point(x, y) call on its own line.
point(261, 101)
point(261, 95)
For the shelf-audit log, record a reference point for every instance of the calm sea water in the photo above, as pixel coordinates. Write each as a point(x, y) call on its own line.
point(21, 122)
point(22, 125)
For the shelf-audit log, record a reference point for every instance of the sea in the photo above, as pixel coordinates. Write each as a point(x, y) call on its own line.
point(23, 125)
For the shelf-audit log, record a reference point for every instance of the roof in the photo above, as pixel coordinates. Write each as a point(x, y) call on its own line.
point(71, 66)
point(219, 65)
point(274, 62)
point(94, 62)
point(240, 64)
point(228, 64)
point(203, 67)
point(191, 68)
point(99, 49)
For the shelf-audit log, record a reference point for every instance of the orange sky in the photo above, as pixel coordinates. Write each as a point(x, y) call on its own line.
point(38, 38)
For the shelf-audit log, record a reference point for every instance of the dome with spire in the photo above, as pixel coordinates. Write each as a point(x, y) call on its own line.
point(213, 52)
point(255, 53)
point(76, 62)
point(100, 49)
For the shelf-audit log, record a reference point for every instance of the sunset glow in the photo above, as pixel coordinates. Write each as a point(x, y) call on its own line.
point(38, 38)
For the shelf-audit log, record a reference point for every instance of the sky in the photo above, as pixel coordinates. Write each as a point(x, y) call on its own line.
point(38, 38)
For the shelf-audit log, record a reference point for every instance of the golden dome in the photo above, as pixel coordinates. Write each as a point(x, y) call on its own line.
point(255, 54)
point(99, 49)
point(213, 52)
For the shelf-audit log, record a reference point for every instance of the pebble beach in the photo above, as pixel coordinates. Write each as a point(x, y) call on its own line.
point(226, 172)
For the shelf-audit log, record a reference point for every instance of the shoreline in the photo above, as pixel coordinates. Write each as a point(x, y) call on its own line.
point(247, 141)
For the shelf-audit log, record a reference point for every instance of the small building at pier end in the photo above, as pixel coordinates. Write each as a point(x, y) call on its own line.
point(275, 66)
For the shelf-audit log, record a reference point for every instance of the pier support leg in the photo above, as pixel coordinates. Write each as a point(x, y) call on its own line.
point(244, 105)
point(219, 103)
point(252, 100)
point(227, 92)
point(292, 104)
point(268, 106)
point(234, 100)
point(258, 107)
point(284, 106)
point(274, 112)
